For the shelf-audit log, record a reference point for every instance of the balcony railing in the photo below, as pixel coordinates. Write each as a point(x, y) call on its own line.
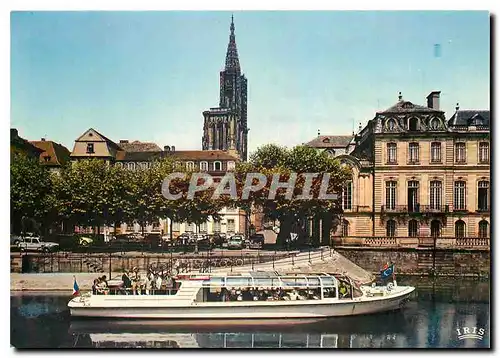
point(415, 208)
point(387, 241)
point(485, 209)
point(460, 209)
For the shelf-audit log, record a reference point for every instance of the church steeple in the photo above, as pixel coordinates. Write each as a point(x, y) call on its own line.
point(232, 60)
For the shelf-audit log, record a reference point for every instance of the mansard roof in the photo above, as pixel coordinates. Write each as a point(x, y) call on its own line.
point(408, 107)
point(470, 118)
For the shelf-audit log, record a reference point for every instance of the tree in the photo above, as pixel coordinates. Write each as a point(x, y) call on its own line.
point(30, 189)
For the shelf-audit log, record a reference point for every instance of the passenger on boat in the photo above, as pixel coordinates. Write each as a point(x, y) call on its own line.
point(127, 282)
point(94, 287)
point(102, 286)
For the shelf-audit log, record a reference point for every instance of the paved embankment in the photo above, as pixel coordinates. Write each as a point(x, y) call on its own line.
point(319, 260)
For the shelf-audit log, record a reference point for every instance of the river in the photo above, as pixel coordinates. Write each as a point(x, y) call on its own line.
point(433, 318)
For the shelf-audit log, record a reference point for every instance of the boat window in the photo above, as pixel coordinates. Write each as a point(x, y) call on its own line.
point(328, 281)
point(267, 282)
point(313, 281)
point(294, 282)
point(214, 281)
point(238, 281)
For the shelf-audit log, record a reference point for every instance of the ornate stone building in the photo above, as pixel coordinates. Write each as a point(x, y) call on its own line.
point(417, 177)
point(225, 127)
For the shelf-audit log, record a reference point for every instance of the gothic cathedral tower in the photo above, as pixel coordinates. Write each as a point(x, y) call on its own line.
point(225, 127)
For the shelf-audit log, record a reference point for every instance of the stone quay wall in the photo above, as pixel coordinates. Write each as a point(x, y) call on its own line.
point(420, 261)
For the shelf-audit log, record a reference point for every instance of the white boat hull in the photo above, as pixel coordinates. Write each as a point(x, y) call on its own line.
point(165, 308)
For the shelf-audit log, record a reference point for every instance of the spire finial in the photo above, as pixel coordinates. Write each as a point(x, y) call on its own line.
point(400, 96)
point(457, 107)
point(319, 132)
point(232, 61)
point(232, 24)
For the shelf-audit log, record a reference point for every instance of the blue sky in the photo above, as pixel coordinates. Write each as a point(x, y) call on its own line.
point(149, 75)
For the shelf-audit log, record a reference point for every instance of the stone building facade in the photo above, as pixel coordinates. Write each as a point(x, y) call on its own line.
point(418, 177)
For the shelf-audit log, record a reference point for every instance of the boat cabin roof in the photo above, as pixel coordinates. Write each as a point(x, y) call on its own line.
point(270, 279)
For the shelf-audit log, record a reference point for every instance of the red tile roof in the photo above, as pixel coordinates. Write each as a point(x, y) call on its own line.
point(56, 153)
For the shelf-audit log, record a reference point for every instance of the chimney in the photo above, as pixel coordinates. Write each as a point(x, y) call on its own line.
point(123, 141)
point(400, 97)
point(433, 100)
point(166, 148)
point(42, 139)
point(173, 148)
point(14, 132)
point(457, 107)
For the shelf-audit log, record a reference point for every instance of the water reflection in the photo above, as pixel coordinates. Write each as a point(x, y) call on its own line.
point(430, 320)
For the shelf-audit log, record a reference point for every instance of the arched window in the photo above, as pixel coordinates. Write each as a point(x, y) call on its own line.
point(217, 166)
point(459, 228)
point(435, 228)
point(391, 228)
point(345, 228)
point(413, 228)
point(131, 166)
point(484, 229)
point(391, 125)
point(413, 124)
point(204, 166)
point(231, 165)
point(190, 166)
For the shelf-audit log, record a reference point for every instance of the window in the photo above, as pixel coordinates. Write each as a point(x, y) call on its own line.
point(217, 166)
point(90, 148)
point(413, 228)
point(390, 195)
point(47, 158)
point(119, 165)
point(345, 228)
point(413, 152)
point(190, 166)
point(347, 196)
point(483, 195)
point(203, 227)
point(435, 193)
point(434, 124)
point(176, 226)
point(459, 196)
point(189, 227)
point(216, 226)
point(230, 225)
point(413, 124)
point(231, 165)
point(484, 229)
point(435, 152)
point(391, 125)
point(460, 152)
point(435, 228)
point(413, 202)
point(484, 152)
point(131, 166)
point(204, 166)
point(391, 228)
point(459, 229)
point(392, 153)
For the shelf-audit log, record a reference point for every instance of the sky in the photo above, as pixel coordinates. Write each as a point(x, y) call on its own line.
point(148, 76)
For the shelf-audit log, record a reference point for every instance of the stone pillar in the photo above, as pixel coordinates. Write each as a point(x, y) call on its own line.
point(210, 135)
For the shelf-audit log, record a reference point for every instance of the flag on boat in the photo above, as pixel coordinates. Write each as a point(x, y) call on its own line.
point(387, 271)
point(76, 289)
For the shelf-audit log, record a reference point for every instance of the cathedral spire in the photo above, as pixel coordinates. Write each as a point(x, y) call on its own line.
point(232, 61)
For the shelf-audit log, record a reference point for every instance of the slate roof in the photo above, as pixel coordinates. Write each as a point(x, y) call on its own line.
point(57, 154)
point(330, 141)
point(137, 146)
point(408, 107)
point(470, 118)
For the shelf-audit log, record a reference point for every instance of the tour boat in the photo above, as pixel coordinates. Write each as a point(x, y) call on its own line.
point(252, 295)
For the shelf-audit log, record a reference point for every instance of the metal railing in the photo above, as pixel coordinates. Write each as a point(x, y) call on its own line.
point(417, 208)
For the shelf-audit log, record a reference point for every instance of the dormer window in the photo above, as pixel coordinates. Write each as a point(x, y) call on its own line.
point(413, 124)
point(90, 148)
point(434, 124)
point(326, 140)
point(391, 125)
point(331, 152)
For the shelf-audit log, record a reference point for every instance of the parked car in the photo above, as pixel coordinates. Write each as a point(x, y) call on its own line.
point(15, 239)
point(236, 242)
point(217, 240)
point(36, 244)
point(257, 240)
point(85, 241)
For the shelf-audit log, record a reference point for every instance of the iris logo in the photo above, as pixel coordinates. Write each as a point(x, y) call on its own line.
point(470, 332)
